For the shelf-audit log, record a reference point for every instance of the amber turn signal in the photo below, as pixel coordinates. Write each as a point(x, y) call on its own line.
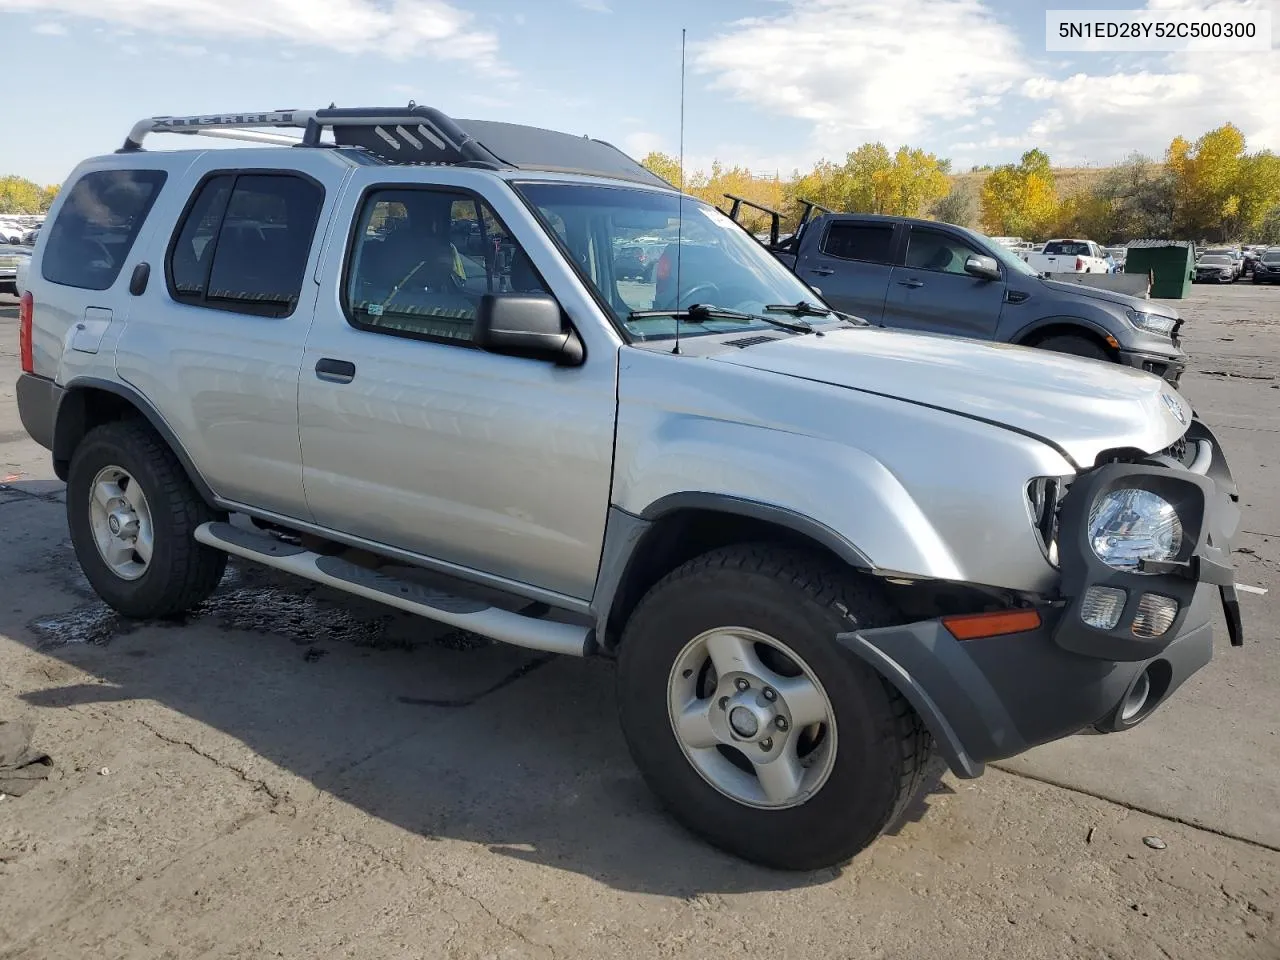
point(974, 626)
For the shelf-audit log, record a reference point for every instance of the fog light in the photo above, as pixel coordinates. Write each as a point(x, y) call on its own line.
point(1155, 615)
point(1102, 607)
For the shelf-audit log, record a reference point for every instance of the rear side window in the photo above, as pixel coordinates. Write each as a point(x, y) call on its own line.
point(97, 225)
point(243, 243)
point(859, 241)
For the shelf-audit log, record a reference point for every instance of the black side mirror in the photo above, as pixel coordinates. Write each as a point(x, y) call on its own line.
point(984, 268)
point(529, 325)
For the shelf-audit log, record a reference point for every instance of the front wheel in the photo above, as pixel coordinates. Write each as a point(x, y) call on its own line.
point(749, 721)
point(1077, 346)
point(132, 512)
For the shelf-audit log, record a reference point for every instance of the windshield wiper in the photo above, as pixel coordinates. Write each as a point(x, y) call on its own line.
point(806, 309)
point(701, 312)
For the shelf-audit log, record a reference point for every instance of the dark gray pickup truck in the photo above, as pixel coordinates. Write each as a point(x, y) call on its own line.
point(940, 278)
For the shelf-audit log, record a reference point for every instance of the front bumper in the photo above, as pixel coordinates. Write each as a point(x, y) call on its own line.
point(992, 698)
point(1169, 367)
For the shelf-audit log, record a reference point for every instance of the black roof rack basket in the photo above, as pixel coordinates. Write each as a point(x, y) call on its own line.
point(414, 135)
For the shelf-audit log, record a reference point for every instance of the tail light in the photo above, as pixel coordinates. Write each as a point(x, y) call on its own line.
point(26, 308)
point(663, 271)
point(1079, 263)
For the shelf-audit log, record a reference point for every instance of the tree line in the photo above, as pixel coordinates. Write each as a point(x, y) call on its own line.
point(19, 195)
point(1212, 189)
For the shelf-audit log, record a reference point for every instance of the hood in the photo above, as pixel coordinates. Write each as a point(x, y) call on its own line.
point(1111, 296)
point(1082, 407)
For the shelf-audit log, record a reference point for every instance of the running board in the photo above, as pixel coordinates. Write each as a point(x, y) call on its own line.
point(468, 614)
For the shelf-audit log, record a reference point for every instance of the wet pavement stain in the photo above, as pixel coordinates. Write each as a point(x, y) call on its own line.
point(254, 599)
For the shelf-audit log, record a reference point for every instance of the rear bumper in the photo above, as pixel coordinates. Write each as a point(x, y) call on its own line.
point(995, 698)
point(38, 400)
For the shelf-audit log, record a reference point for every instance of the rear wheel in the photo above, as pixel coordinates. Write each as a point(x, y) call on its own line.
point(132, 512)
point(1075, 345)
point(750, 722)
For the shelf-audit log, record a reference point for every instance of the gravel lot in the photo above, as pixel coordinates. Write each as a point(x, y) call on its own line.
point(291, 774)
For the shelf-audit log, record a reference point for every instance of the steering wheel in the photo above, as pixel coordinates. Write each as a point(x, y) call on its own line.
point(687, 296)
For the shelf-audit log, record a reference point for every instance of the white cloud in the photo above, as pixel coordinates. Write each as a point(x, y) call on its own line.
point(1104, 115)
point(397, 29)
point(866, 69)
point(595, 6)
point(638, 143)
point(50, 29)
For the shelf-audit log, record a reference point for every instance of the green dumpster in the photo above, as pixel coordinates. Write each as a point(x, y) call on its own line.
point(1171, 264)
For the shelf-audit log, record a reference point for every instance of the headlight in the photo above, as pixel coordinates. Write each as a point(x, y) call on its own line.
point(1129, 525)
point(1152, 322)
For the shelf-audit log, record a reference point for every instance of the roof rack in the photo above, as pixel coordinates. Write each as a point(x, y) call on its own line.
point(412, 134)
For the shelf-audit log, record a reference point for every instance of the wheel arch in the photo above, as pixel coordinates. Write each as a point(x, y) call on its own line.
point(640, 550)
point(1040, 330)
point(90, 402)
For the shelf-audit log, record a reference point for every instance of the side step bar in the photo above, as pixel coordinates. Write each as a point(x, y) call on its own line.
point(468, 614)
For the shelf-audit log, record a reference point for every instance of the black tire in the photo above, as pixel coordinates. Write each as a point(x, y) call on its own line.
point(883, 748)
point(182, 573)
point(1075, 345)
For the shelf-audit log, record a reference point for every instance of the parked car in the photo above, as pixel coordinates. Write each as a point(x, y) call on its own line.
point(11, 233)
point(1230, 253)
point(31, 236)
point(1215, 268)
point(1069, 256)
point(819, 550)
point(638, 259)
point(1267, 267)
point(1116, 256)
point(11, 259)
point(941, 278)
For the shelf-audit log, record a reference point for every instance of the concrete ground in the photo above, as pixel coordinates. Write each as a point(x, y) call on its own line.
point(291, 774)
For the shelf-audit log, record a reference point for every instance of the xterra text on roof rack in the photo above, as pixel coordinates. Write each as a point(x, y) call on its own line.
point(819, 550)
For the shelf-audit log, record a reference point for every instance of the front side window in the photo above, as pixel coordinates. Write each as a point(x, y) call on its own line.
point(937, 251)
point(870, 242)
point(650, 250)
point(97, 225)
point(244, 241)
point(422, 259)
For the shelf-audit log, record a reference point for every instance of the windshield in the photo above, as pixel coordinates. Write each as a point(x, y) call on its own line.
point(1272, 256)
point(624, 241)
point(1008, 258)
point(1215, 261)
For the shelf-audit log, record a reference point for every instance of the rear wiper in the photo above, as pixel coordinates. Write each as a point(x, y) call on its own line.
point(701, 312)
point(806, 309)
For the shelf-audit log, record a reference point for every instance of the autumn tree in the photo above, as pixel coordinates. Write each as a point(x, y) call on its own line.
point(959, 206)
point(19, 195)
point(1020, 199)
point(872, 180)
point(1220, 191)
point(666, 167)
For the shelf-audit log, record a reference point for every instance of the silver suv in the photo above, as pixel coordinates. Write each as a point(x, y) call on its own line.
point(393, 356)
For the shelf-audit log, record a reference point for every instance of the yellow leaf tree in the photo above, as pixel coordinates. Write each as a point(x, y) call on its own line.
point(1020, 199)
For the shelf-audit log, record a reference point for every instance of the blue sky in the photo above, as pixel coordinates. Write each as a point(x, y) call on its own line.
point(772, 84)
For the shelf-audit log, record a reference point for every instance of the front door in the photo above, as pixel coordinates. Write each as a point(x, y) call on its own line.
point(932, 292)
point(850, 264)
point(491, 465)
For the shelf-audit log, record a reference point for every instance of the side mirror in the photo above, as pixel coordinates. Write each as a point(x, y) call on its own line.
point(526, 325)
point(984, 268)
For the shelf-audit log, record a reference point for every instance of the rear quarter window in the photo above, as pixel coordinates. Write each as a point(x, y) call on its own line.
point(859, 241)
point(97, 225)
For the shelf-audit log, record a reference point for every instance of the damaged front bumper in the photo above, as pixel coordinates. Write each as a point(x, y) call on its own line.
point(996, 696)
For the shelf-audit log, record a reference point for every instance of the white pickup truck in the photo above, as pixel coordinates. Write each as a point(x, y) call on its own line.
point(1069, 256)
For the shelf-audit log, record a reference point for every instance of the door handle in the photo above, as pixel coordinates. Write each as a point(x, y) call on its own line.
point(821, 271)
point(335, 371)
point(913, 284)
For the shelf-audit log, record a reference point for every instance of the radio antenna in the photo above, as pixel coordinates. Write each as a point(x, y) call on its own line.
point(680, 202)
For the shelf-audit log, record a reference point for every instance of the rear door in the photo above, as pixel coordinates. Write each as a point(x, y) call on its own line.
point(850, 262)
point(215, 340)
point(932, 292)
